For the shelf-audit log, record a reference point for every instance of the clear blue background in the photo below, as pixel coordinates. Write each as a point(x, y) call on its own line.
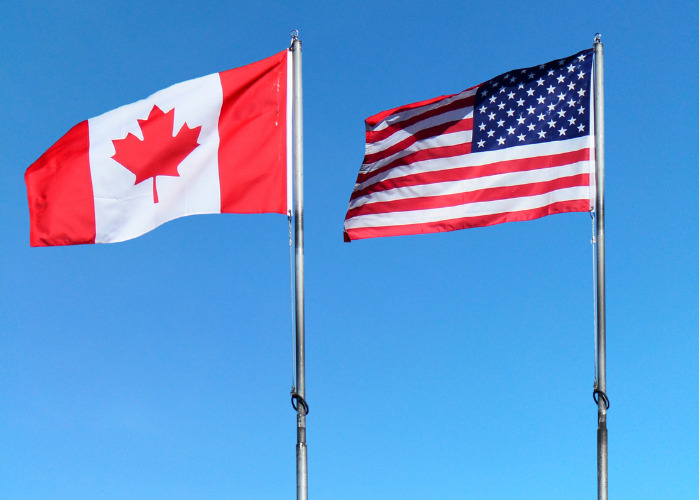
point(455, 365)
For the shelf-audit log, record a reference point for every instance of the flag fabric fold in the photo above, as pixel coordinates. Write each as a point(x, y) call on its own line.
point(517, 147)
point(215, 144)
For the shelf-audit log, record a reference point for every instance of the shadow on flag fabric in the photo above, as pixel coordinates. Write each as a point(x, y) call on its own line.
point(215, 144)
point(517, 147)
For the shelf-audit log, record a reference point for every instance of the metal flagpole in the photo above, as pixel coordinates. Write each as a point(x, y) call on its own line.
point(599, 394)
point(299, 392)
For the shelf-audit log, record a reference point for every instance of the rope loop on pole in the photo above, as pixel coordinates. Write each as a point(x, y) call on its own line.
point(602, 395)
point(298, 400)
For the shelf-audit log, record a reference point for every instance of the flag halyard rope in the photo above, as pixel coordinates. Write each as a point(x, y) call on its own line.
point(291, 295)
point(595, 302)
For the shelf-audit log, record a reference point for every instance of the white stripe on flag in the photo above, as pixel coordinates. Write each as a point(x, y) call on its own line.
point(401, 116)
point(405, 133)
point(469, 185)
point(476, 159)
point(468, 210)
point(452, 139)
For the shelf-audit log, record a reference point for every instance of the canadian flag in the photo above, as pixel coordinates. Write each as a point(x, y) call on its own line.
point(216, 144)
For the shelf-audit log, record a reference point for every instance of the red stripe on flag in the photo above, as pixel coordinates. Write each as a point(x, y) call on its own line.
point(252, 137)
point(463, 148)
point(373, 120)
point(378, 135)
point(426, 133)
point(464, 173)
point(467, 222)
point(481, 195)
point(59, 190)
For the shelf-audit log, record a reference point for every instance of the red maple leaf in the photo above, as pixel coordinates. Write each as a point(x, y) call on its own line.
point(159, 153)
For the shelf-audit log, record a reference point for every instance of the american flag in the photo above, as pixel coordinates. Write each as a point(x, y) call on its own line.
point(517, 147)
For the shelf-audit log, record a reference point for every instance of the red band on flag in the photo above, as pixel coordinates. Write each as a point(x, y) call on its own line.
point(252, 132)
point(59, 189)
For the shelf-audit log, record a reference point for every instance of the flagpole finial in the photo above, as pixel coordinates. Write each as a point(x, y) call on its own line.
point(597, 37)
point(295, 38)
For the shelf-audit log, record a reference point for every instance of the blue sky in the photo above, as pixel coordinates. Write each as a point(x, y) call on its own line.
point(455, 365)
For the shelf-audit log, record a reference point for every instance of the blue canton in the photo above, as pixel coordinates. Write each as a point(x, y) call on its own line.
point(549, 102)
